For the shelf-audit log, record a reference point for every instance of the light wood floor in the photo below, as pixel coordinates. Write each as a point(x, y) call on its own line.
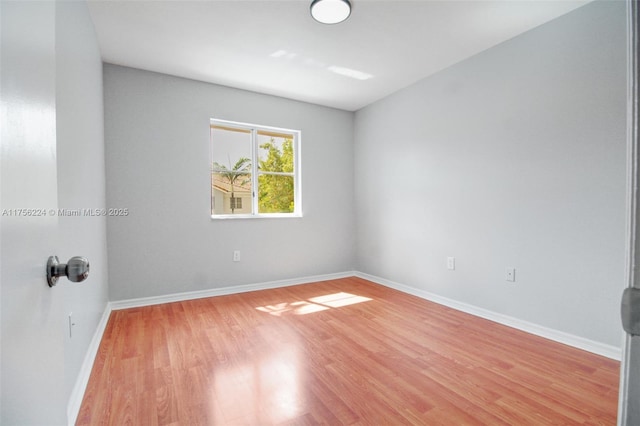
point(337, 352)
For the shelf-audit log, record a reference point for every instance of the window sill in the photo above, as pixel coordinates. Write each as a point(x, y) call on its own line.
point(257, 216)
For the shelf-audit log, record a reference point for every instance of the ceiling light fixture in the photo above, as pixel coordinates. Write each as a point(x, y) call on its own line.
point(330, 11)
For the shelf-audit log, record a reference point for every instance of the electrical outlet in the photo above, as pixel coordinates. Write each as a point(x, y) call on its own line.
point(510, 274)
point(236, 255)
point(451, 263)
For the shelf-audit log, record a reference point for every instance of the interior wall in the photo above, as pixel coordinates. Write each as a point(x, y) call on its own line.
point(157, 151)
point(81, 177)
point(512, 158)
point(52, 157)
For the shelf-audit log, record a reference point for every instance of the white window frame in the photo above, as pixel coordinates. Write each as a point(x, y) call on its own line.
point(297, 181)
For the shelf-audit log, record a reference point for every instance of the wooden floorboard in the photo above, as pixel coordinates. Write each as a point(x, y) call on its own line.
point(337, 352)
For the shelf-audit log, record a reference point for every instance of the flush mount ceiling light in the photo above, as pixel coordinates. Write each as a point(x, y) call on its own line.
point(330, 11)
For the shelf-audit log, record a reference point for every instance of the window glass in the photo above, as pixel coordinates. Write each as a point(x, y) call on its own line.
point(231, 174)
point(276, 173)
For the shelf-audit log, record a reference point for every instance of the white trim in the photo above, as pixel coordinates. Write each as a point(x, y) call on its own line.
point(608, 351)
point(75, 400)
point(256, 216)
point(631, 248)
point(223, 291)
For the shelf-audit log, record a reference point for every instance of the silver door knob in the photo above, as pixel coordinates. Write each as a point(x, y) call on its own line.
point(630, 311)
point(76, 269)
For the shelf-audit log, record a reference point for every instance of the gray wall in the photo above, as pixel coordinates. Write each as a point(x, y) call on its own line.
point(81, 175)
point(52, 156)
point(514, 157)
point(157, 150)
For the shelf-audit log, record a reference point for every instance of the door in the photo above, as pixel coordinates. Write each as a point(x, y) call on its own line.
point(32, 332)
point(629, 412)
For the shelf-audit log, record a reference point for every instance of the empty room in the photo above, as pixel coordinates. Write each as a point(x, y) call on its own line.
point(328, 212)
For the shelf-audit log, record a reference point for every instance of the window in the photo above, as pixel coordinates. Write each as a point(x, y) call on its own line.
point(255, 171)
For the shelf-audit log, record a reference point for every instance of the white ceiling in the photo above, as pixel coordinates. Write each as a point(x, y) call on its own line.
point(275, 47)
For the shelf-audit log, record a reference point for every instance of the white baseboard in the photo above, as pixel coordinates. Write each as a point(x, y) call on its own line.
point(178, 297)
point(608, 351)
point(75, 400)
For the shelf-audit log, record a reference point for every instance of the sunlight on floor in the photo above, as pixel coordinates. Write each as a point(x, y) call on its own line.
point(242, 391)
point(337, 300)
point(314, 304)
